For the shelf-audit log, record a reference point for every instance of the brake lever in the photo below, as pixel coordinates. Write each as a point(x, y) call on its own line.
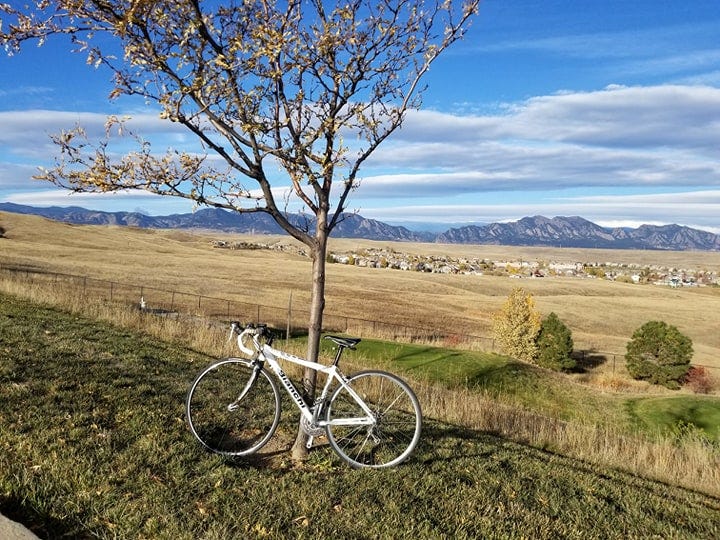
point(233, 330)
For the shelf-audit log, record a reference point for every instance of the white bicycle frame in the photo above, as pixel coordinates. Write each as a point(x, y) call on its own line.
point(266, 353)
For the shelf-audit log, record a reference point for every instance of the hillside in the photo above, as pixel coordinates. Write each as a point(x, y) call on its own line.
point(94, 445)
point(602, 314)
point(529, 231)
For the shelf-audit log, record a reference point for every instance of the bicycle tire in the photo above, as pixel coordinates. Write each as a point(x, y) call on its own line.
point(398, 421)
point(251, 422)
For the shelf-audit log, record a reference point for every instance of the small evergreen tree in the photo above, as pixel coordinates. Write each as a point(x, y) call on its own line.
point(555, 344)
point(659, 353)
point(517, 324)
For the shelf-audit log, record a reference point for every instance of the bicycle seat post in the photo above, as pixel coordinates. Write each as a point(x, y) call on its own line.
point(338, 354)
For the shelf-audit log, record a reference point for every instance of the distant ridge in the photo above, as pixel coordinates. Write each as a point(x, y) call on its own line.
point(578, 232)
point(529, 231)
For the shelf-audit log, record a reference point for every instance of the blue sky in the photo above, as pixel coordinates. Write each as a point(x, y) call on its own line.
point(605, 109)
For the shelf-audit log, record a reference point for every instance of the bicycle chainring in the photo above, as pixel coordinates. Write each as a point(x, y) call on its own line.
point(311, 429)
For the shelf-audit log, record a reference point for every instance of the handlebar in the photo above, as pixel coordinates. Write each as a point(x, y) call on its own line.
point(254, 332)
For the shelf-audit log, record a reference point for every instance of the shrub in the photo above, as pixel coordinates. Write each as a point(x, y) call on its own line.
point(698, 380)
point(555, 344)
point(659, 353)
point(516, 326)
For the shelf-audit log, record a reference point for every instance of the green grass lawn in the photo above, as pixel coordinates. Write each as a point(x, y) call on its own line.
point(93, 443)
point(677, 414)
point(544, 391)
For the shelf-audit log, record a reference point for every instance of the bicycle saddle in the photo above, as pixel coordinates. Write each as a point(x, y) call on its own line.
point(344, 341)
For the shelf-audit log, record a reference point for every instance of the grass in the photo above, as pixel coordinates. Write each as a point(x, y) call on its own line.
point(594, 434)
point(93, 444)
point(677, 414)
point(519, 384)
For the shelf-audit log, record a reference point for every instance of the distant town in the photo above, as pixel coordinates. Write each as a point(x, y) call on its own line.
point(386, 258)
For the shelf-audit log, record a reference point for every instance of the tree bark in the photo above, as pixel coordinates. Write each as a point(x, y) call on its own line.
point(319, 251)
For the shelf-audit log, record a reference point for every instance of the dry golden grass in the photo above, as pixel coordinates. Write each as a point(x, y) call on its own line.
point(602, 315)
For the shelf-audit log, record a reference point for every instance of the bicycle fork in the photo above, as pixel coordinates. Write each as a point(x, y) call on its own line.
point(232, 407)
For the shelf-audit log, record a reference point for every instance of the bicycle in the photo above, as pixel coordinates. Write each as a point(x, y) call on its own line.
point(371, 419)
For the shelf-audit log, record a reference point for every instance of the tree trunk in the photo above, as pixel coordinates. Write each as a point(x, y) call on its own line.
point(317, 305)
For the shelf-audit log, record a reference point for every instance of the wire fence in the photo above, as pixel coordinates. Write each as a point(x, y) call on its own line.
point(292, 321)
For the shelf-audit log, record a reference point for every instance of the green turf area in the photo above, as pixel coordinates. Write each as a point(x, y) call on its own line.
point(677, 414)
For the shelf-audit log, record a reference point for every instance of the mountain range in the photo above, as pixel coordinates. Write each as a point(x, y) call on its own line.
point(529, 231)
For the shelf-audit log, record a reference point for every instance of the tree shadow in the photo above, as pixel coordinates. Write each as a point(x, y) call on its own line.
point(587, 360)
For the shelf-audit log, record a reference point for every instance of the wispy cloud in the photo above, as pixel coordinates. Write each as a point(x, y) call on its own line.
point(656, 136)
point(25, 91)
point(649, 42)
point(137, 200)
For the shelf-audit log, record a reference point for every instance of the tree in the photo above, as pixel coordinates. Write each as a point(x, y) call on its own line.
point(555, 344)
point(517, 324)
point(273, 89)
point(659, 353)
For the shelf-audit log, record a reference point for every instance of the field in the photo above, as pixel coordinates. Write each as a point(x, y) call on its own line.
point(93, 445)
point(601, 314)
point(90, 448)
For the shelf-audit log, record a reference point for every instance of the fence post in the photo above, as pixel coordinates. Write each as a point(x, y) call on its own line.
point(111, 291)
point(289, 317)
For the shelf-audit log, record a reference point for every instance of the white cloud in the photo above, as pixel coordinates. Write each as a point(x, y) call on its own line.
point(654, 136)
point(16, 175)
point(641, 43)
point(645, 137)
point(672, 116)
point(27, 133)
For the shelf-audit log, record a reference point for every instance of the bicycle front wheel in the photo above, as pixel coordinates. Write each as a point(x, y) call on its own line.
point(397, 420)
point(223, 419)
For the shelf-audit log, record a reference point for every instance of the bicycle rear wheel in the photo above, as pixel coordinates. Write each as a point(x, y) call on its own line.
point(224, 423)
point(398, 420)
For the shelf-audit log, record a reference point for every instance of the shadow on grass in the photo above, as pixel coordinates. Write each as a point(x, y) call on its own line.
point(437, 438)
point(587, 360)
